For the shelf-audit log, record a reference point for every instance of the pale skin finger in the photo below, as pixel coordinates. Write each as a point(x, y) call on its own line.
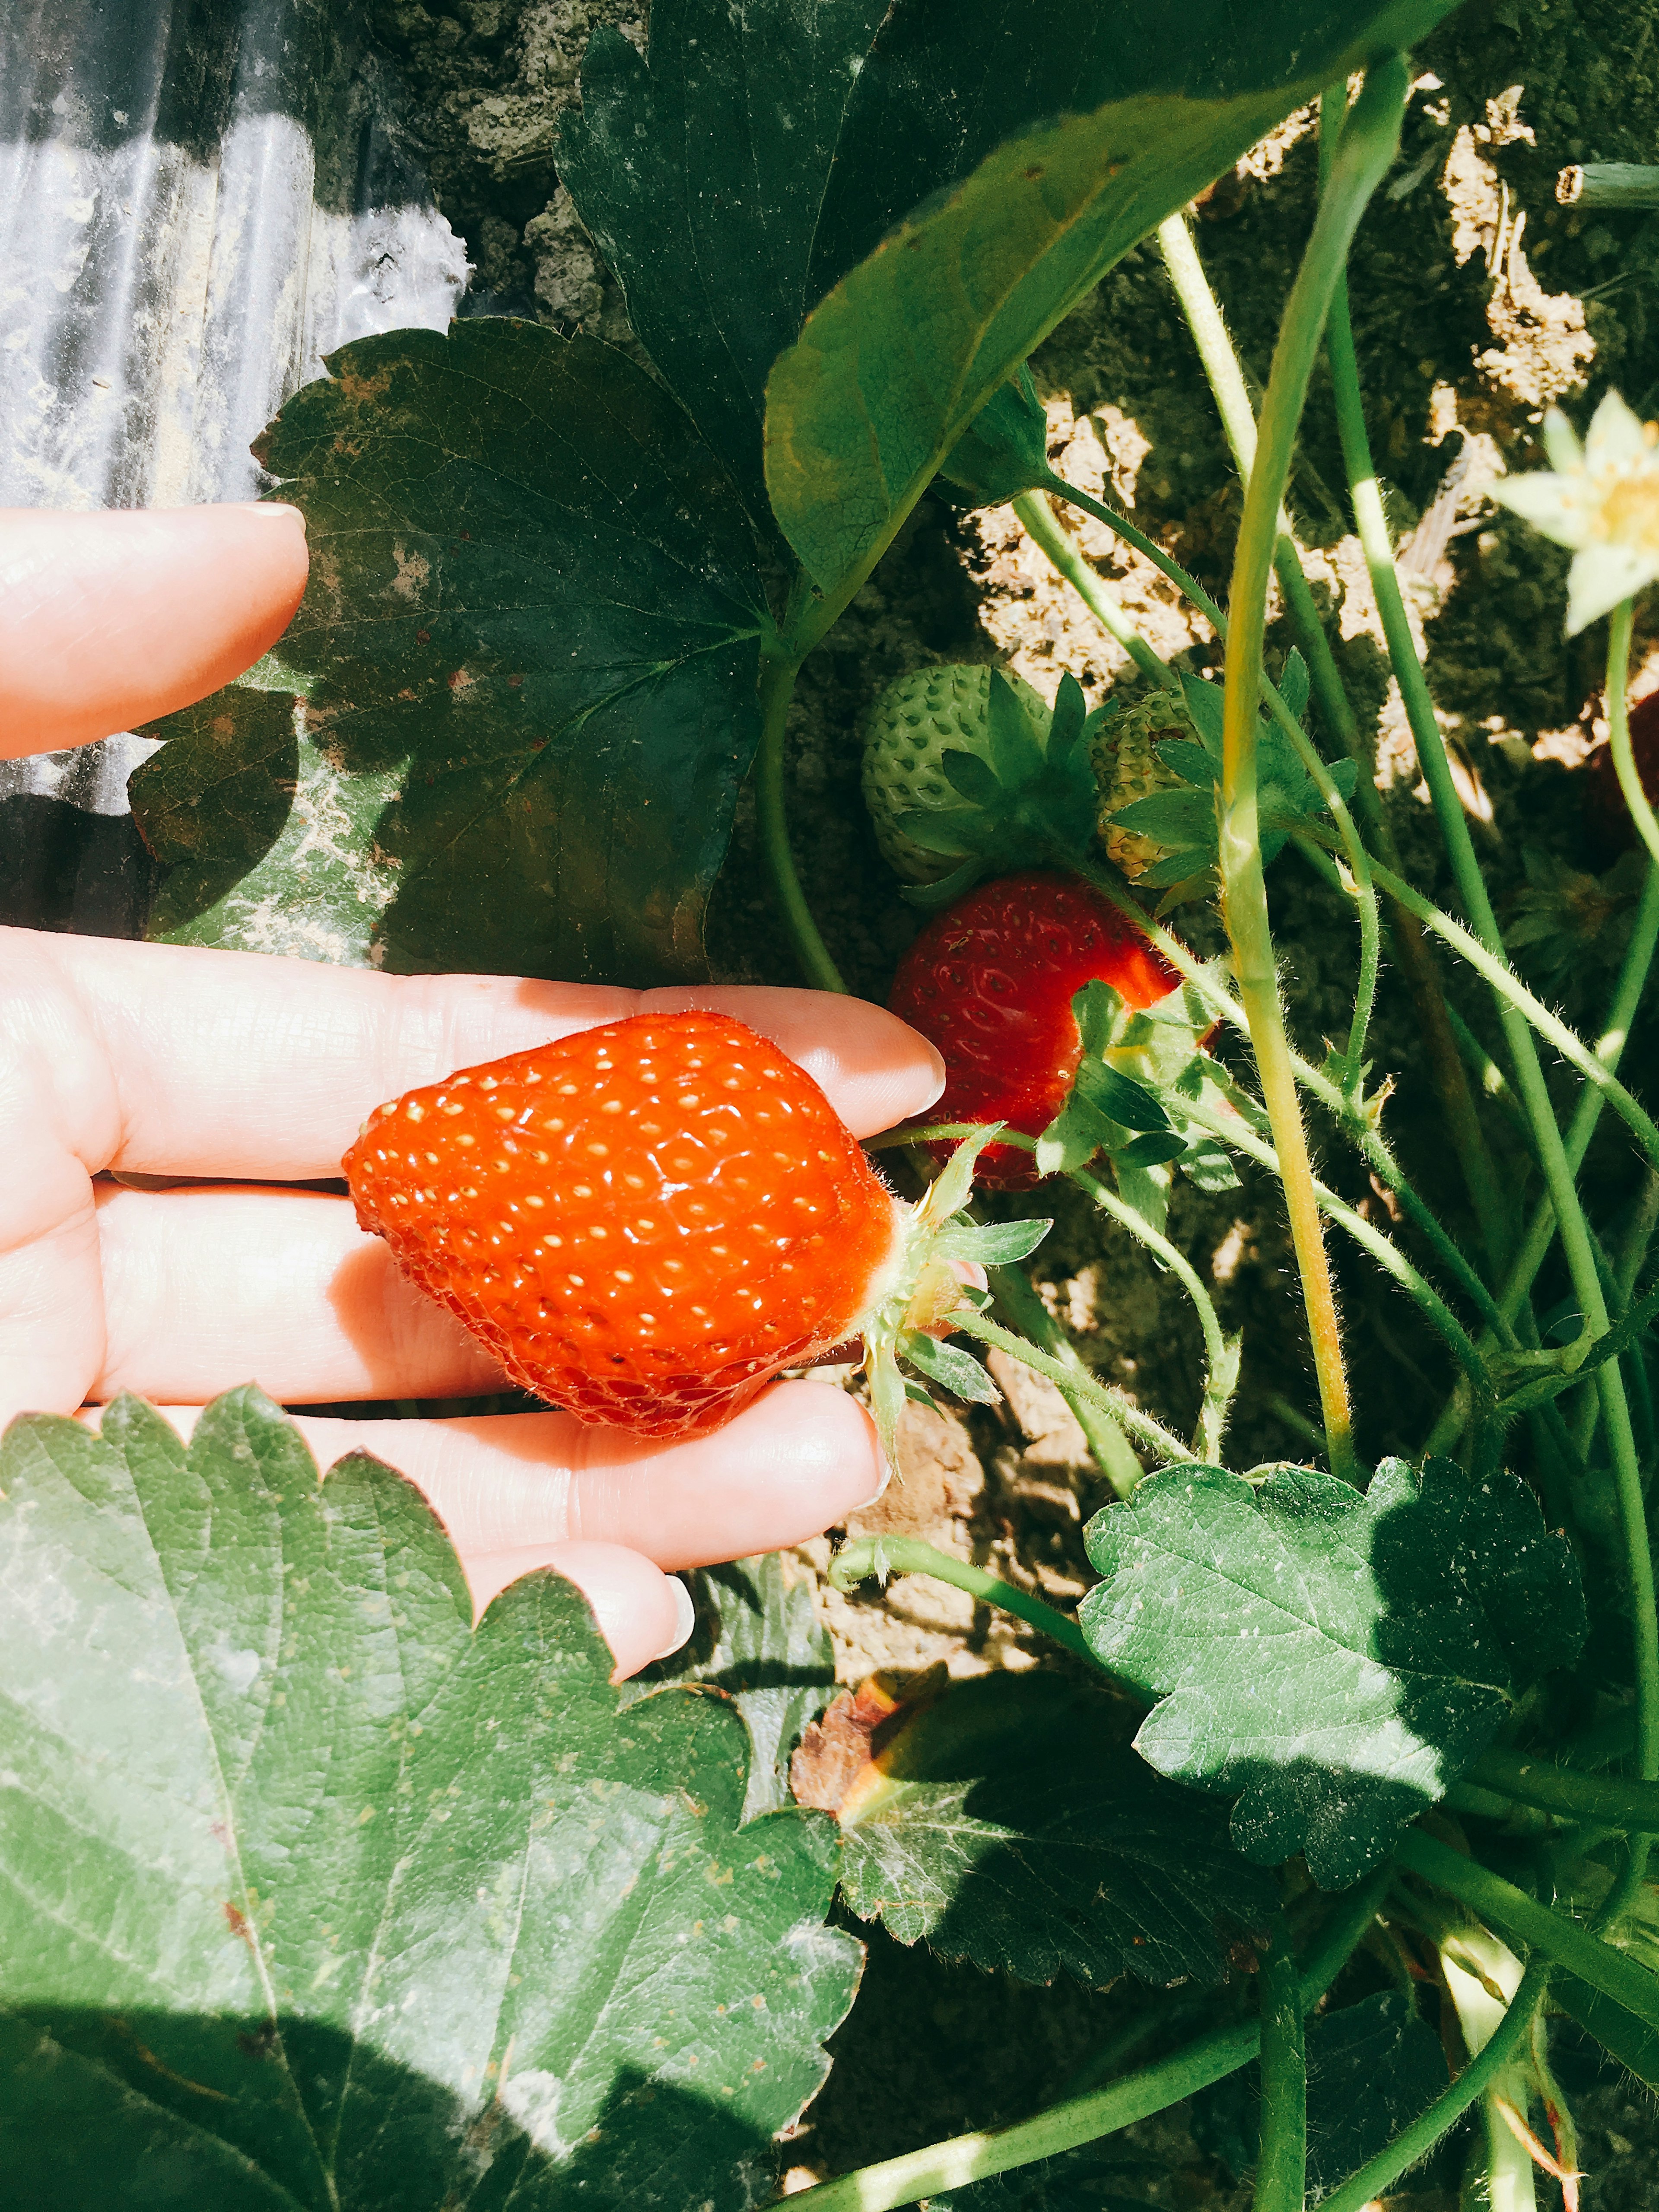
point(107, 621)
point(169, 1061)
point(798, 1460)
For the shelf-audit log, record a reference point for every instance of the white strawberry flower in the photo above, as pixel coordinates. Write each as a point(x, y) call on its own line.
point(1602, 499)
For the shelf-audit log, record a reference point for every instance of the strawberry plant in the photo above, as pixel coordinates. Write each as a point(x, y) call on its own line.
point(1341, 1777)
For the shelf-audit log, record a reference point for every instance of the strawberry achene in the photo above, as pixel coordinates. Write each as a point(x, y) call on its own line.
point(643, 1223)
point(990, 981)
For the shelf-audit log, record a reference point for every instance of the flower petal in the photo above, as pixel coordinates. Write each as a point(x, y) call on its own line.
point(1616, 434)
point(1600, 579)
point(1561, 443)
point(1554, 504)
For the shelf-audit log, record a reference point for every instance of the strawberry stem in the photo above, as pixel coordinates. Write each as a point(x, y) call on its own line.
point(776, 688)
point(1110, 1401)
point(906, 1555)
point(1367, 148)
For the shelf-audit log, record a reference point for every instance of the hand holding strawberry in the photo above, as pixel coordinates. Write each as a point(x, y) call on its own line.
point(236, 1082)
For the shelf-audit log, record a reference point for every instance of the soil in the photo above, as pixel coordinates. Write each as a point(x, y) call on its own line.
point(1478, 300)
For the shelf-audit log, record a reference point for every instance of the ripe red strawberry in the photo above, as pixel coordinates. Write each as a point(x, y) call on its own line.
point(645, 1221)
point(990, 981)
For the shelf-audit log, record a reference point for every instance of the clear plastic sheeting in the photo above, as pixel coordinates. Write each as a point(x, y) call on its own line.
point(199, 200)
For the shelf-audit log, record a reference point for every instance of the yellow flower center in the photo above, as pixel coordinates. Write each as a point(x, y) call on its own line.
point(1627, 514)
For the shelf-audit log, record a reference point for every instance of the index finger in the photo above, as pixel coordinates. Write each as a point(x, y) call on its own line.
point(168, 1060)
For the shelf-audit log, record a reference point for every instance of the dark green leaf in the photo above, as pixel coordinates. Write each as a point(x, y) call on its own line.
point(701, 176)
point(971, 778)
point(758, 1638)
point(1206, 706)
point(528, 649)
point(1333, 1661)
point(1372, 2067)
point(218, 798)
point(1017, 751)
point(1119, 1096)
point(1293, 683)
point(317, 1898)
point(1073, 136)
point(993, 1243)
point(952, 1369)
point(1189, 762)
point(1152, 1150)
point(1174, 818)
point(1004, 449)
point(1631, 2040)
point(1208, 1166)
point(1008, 1823)
point(944, 829)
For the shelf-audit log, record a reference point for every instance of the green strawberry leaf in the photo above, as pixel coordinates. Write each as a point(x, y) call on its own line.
point(1006, 1823)
point(1185, 819)
point(991, 1244)
point(972, 778)
point(1004, 449)
point(1119, 1096)
point(1018, 752)
point(1333, 1661)
point(952, 1369)
point(1293, 684)
point(1035, 147)
point(1153, 1151)
point(1372, 2068)
point(317, 1896)
point(700, 172)
point(527, 656)
point(759, 1639)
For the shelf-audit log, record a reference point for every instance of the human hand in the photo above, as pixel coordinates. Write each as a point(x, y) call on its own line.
point(254, 1074)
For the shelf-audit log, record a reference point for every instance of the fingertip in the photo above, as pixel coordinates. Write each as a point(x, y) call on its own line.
point(642, 1614)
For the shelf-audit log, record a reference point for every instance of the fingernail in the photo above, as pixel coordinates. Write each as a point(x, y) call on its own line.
point(886, 1477)
point(685, 1618)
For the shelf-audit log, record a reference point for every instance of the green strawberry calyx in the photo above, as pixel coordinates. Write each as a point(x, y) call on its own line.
point(918, 1293)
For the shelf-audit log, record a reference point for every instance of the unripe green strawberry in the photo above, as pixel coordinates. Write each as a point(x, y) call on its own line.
point(915, 721)
point(1123, 754)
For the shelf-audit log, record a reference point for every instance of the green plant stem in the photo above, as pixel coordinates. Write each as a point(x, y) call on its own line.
point(1024, 1311)
point(1225, 377)
point(1036, 515)
point(903, 1555)
point(1117, 1405)
point(1218, 1393)
point(1508, 988)
point(777, 686)
point(962, 2159)
point(1523, 1919)
point(1618, 1339)
point(1611, 1803)
point(1226, 381)
point(1367, 148)
point(1241, 1137)
point(1281, 2166)
point(1378, 2176)
point(1378, 550)
point(1609, 1049)
point(1636, 799)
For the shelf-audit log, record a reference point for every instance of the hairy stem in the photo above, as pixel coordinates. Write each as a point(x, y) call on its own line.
point(1281, 2166)
point(1024, 1311)
point(1378, 2176)
point(1225, 378)
point(1036, 515)
point(1218, 1386)
point(903, 1555)
point(777, 686)
point(1117, 1405)
point(1523, 1919)
point(1367, 148)
point(963, 2159)
point(1632, 1807)
point(1624, 761)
